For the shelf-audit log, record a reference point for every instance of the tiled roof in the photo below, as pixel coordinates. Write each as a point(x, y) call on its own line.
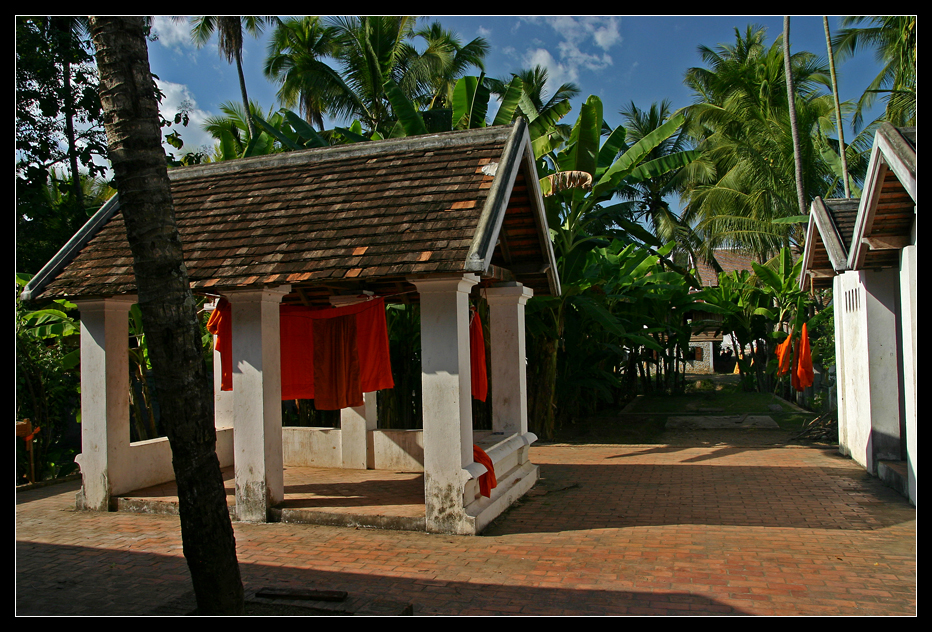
point(347, 218)
point(729, 260)
point(866, 233)
point(828, 239)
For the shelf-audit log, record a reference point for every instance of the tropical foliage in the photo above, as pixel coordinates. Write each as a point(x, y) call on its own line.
point(230, 31)
point(893, 39)
point(746, 191)
point(629, 303)
point(47, 385)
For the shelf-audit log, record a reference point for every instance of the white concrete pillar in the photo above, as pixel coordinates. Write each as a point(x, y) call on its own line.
point(840, 315)
point(257, 409)
point(508, 357)
point(355, 424)
point(104, 397)
point(446, 398)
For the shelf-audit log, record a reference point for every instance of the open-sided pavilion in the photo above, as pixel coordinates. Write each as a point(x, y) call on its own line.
point(430, 219)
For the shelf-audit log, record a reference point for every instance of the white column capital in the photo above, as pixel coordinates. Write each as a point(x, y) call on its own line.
point(121, 302)
point(255, 295)
point(459, 283)
point(508, 292)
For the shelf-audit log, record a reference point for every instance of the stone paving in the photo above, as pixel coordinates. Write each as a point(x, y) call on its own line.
point(609, 530)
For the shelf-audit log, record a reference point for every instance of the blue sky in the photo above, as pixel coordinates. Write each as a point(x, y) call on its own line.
point(618, 58)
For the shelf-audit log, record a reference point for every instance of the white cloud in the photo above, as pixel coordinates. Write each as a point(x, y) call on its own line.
point(177, 96)
point(557, 73)
point(584, 44)
point(173, 34)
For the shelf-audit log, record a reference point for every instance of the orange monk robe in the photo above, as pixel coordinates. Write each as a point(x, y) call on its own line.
point(220, 324)
point(334, 355)
point(784, 359)
point(480, 378)
point(803, 370)
point(487, 481)
point(350, 357)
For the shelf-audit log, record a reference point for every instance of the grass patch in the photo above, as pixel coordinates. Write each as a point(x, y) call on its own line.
point(644, 421)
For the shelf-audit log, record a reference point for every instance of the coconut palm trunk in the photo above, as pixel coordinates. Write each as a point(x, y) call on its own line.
point(791, 98)
point(838, 121)
point(127, 93)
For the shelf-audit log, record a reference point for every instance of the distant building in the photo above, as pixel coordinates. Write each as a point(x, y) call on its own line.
point(710, 349)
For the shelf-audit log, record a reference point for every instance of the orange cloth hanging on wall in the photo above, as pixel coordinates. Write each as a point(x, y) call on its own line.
point(803, 372)
point(487, 481)
point(479, 375)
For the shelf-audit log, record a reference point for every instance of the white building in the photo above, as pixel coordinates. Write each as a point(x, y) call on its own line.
point(865, 249)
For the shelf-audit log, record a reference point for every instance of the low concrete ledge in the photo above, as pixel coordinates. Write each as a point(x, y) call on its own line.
point(894, 474)
point(307, 516)
point(515, 485)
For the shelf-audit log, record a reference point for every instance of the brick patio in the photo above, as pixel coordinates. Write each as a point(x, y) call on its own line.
point(609, 530)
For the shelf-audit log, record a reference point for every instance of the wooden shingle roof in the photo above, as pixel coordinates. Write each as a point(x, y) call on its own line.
point(828, 240)
point(728, 260)
point(866, 233)
point(366, 216)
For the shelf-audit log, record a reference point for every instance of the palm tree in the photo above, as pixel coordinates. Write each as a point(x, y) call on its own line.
point(450, 60)
point(547, 107)
point(839, 126)
point(230, 30)
point(651, 194)
point(894, 41)
point(373, 50)
point(535, 85)
point(741, 122)
point(295, 60)
point(378, 50)
point(794, 127)
point(167, 306)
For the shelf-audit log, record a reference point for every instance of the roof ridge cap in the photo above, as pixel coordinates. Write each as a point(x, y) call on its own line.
point(426, 141)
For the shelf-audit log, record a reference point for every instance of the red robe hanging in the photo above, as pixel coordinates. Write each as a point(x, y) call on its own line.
point(487, 481)
point(479, 375)
point(784, 353)
point(330, 355)
point(220, 324)
point(802, 373)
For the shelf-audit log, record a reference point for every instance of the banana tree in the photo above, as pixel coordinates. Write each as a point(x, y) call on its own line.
point(47, 382)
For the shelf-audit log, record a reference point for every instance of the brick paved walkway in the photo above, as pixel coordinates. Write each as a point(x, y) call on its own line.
point(609, 530)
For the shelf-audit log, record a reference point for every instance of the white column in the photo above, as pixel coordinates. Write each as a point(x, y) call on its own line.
point(446, 398)
point(355, 424)
point(257, 409)
point(104, 396)
point(508, 357)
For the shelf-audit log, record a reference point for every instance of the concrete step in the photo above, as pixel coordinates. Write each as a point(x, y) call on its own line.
point(894, 474)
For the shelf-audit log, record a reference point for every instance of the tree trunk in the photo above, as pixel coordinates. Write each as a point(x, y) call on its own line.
point(794, 127)
point(253, 132)
point(838, 122)
point(127, 93)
